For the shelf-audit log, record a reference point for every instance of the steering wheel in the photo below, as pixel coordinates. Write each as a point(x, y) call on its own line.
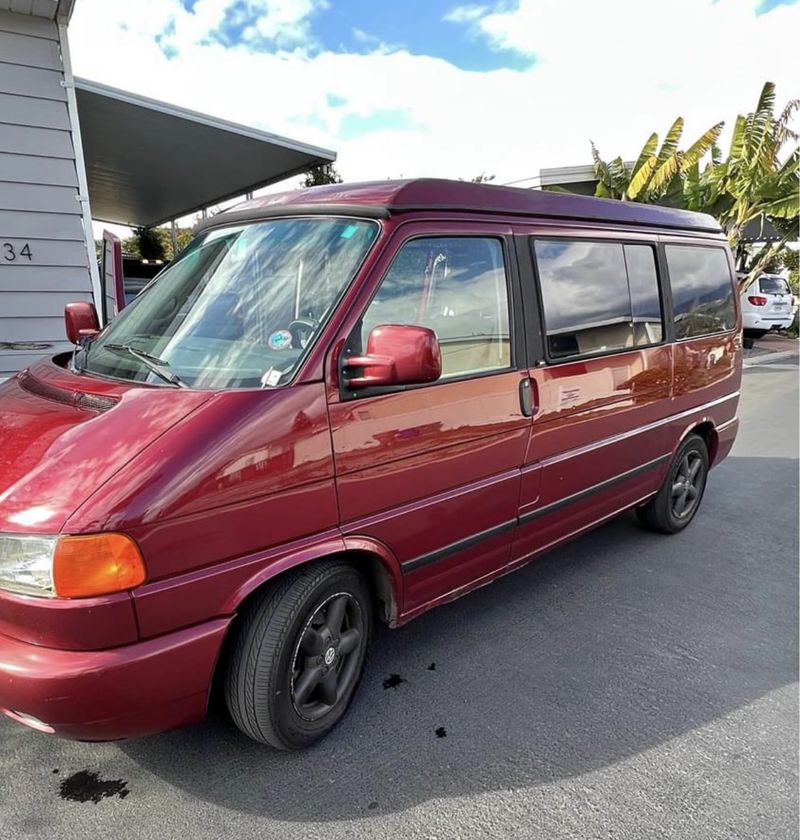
point(301, 329)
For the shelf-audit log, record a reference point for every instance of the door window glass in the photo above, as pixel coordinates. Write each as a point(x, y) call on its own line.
point(645, 296)
point(597, 296)
point(457, 287)
point(702, 292)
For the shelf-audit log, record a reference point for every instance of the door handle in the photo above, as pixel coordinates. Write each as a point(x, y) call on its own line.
point(527, 397)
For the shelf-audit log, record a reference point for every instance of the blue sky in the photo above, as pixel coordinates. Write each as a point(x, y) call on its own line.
point(421, 27)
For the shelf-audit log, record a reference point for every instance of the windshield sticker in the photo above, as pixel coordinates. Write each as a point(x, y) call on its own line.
point(349, 232)
point(271, 378)
point(280, 340)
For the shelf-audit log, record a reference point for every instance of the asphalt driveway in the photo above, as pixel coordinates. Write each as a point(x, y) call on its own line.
point(626, 686)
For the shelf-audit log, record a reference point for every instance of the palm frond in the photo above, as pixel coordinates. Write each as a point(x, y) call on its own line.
point(601, 170)
point(700, 146)
point(663, 176)
point(737, 140)
point(787, 207)
point(619, 175)
point(670, 144)
point(641, 177)
point(648, 150)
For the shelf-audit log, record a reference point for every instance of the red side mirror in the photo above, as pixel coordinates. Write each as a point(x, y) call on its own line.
point(80, 320)
point(397, 355)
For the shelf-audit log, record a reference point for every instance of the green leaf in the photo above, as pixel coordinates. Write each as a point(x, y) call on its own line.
point(696, 151)
point(692, 188)
point(601, 170)
point(670, 145)
point(641, 177)
point(620, 176)
point(783, 208)
point(737, 140)
point(663, 176)
point(648, 150)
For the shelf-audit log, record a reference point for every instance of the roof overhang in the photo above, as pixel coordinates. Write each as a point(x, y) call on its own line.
point(58, 10)
point(148, 162)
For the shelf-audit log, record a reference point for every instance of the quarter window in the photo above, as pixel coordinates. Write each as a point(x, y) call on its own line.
point(598, 296)
point(457, 287)
point(702, 292)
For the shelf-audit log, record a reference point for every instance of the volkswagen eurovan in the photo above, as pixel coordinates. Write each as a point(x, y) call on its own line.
point(340, 406)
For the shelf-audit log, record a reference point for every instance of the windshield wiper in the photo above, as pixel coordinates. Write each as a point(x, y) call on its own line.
point(160, 367)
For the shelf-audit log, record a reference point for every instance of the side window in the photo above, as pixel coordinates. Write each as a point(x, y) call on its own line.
point(702, 291)
point(597, 296)
point(457, 287)
point(645, 295)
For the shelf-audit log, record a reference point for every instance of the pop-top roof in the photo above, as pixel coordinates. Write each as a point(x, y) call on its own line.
point(377, 198)
point(148, 162)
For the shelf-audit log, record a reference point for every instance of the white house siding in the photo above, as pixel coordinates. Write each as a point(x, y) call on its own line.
point(39, 206)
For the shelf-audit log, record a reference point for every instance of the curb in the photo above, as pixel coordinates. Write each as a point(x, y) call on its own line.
point(770, 357)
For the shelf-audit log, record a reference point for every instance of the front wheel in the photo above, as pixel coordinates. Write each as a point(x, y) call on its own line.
point(676, 503)
point(297, 657)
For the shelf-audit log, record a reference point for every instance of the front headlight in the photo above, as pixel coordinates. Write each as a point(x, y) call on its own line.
point(81, 566)
point(26, 564)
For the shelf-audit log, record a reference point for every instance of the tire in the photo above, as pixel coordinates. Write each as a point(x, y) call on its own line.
point(755, 333)
point(288, 681)
point(664, 512)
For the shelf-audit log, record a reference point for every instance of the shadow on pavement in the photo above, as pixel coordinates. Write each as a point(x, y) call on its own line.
point(592, 654)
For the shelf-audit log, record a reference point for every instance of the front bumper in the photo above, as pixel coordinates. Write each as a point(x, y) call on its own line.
point(106, 695)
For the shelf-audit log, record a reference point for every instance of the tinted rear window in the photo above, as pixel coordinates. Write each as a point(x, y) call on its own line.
point(702, 291)
point(773, 286)
point(598, 296)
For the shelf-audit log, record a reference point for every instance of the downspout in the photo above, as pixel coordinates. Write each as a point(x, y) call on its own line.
point(80, 167)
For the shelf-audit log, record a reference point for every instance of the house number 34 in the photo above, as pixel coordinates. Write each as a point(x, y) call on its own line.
point(12, 252)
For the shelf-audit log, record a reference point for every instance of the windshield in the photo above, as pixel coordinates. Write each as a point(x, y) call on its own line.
point(774, 286)
point(239, 308)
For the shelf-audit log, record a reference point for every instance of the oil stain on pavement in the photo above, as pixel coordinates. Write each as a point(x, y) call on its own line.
point(392, 681)
point(85, 786)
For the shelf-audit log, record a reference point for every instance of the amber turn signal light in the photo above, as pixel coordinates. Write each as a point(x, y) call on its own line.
point(96, 564)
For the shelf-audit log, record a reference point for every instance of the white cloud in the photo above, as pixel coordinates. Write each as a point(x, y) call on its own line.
point(611, 71)
point(466, 14)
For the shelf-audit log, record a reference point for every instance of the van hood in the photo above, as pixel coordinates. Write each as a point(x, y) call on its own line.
point(63, 435)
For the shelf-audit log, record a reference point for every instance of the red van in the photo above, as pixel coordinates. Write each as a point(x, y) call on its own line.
point(337, 406)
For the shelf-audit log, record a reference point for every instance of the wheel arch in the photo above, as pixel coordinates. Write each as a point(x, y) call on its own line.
point(374, 559)
point(706, 429)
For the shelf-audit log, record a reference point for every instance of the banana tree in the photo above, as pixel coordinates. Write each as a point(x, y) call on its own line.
point(658, 173)
point(760, 178)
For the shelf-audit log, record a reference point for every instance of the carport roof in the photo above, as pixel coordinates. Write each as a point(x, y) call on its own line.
point(148, 162)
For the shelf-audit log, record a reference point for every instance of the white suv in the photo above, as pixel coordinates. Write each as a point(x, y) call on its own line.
point(767, 304)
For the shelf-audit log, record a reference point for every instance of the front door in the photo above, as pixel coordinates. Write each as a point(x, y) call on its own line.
point(433, 471)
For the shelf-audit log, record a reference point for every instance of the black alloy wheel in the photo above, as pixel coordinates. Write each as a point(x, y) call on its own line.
point(297, 653)
point(687, 484)
point(327, 656)
point(677, 501)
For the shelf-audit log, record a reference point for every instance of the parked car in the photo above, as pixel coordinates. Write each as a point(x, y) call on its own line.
point(767, 304)
point(337, 406)
point(137, 273)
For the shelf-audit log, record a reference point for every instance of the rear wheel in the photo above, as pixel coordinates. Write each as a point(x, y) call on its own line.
point(676, 503)
point(298, 654)
point(755, 333)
